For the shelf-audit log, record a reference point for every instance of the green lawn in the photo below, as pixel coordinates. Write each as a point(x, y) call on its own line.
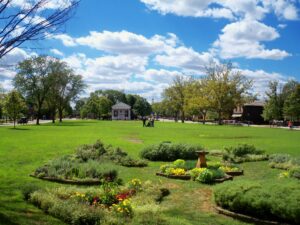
point(24, 149)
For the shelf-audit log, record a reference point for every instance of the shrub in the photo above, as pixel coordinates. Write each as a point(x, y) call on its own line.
point(295, 172)
point(213, 165)
point(194, 173)
point(244, 153)
point(130, 162)
point(284, 161)
point(206, 176)
point(271, 200)
point(170, 152)
point(179, 163)
point(28, 189)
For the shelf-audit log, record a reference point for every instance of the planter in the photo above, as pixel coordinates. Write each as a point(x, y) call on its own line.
point(181, 177)
point(235, 173)
point(64, 181)
point(247, 218)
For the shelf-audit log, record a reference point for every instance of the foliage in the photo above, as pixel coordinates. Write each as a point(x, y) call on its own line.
point(28, 189)
point(194, 173)
point(291, 108)
point(244, 153)
point(283, 161)
point(295, 172)
point(170, 152)
point(14, 105)
point(272, 201)
point(141, 107)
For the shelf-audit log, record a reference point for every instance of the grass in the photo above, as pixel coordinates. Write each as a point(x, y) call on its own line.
point(23, 150)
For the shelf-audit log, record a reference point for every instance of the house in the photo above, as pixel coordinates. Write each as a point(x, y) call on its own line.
point(250, 112)
point(121, 111)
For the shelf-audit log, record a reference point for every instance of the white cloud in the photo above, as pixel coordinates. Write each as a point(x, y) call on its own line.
point(243, 39)
point(14, 57)
point(159, 76)
point(192, 8)
point(282, 26)
point(185, 58)
point(66, 39)
point(49, 4)
point(284, 9)
point(230, 9)
point(56, 52)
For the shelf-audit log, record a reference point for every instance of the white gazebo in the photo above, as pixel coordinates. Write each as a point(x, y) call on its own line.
point(121, 111)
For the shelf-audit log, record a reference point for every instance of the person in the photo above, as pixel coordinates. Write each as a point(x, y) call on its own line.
point(152, 122)
point(144, 121)
point(290, 125)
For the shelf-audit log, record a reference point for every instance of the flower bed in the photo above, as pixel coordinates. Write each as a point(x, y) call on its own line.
point(286, 162)
point(177, 170)
point(91, 164)
point(109, 204)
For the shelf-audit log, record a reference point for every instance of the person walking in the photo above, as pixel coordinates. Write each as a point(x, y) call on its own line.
point(144, 119)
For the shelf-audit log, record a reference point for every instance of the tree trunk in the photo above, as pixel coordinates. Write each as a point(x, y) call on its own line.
point(60, 113)
point(38, 116)
point(14, 123)
point(204, 118)
point(182, 116)
point(176, 117)
point(219, 117)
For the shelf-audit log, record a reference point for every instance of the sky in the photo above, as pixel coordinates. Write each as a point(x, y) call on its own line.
point(139, 46)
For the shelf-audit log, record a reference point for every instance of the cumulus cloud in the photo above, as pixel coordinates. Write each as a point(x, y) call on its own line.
point(243, 39)
point(56, 52)
point(229, 9)
point(185, 58)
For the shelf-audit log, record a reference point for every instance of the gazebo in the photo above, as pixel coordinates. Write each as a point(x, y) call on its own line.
point(121, 111)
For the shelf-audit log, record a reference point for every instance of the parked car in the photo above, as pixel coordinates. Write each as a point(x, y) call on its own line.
point(23, 120)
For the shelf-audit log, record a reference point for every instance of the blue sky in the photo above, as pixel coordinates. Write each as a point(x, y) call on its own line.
point(140, 45)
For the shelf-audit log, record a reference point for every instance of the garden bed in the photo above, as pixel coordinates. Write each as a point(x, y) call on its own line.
point(66, 181)
point(221, 180)
point(180, 177)
point(246, 218)
point(235, 173)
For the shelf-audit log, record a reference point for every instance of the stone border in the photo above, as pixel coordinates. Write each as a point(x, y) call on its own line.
point(235, 173)
point(221, 180)
point(182, 177)
point(246, 218)
point(63, 181)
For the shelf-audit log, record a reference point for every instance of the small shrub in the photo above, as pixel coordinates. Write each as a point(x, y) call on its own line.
point(284, 161)
point(179, 163)
point(28, 189)
point(244, 153)
point(170, 152)
point(295, 172)
point(130, 162)
point(206, 176)
point(213, 165)
point(274, 200)
point(194, 173)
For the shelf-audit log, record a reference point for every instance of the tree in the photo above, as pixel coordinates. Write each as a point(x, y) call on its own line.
point(174, 97)
point(66, 87)
point(291, 107)
point(274, 104)
point(2, 101)
point(33, 81)
point(141, 107)
point(196, 100)
point(14, 104)
point(114, 96)
point(105, 107)
point(225, 89)
point(32, 20)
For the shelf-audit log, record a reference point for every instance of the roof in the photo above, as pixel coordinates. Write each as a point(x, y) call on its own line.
point(255, 103)
point(121, 105)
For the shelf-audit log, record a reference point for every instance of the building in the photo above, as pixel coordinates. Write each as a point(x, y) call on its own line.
point(121, 111)
point(250, 112)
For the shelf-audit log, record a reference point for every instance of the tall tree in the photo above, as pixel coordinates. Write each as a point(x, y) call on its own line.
point(225, 89)
point(174, 96)
point(2, 101)
point(291, 107)
point(14, 104)
point(33, 82)
point(66, 87)
point(274, 104)
point(113, 95)
point(196, 100)
point(141, 107)
point(23, 21)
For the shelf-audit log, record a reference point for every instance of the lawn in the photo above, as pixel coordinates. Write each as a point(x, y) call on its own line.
point(22, 150)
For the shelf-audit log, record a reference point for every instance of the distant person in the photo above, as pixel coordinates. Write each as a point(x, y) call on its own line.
point(144, 119)
point(290, 125)
point(152, 122)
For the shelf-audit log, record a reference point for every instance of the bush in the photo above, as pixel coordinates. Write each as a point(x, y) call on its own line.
point(28, 189)
point(194, 173)
point(284, 161)
point(206, 176)
point(295, 172)
point(244, 153)
point(170, 152)
point(272, 201)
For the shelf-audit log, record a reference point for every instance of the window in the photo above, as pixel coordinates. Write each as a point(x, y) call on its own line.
point(115, 113)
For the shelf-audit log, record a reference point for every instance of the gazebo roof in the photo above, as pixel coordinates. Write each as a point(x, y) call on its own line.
point(121, 105)
point(256, 103)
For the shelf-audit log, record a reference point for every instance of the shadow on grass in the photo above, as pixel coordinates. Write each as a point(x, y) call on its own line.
point(5, 220)
point(18, 128)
